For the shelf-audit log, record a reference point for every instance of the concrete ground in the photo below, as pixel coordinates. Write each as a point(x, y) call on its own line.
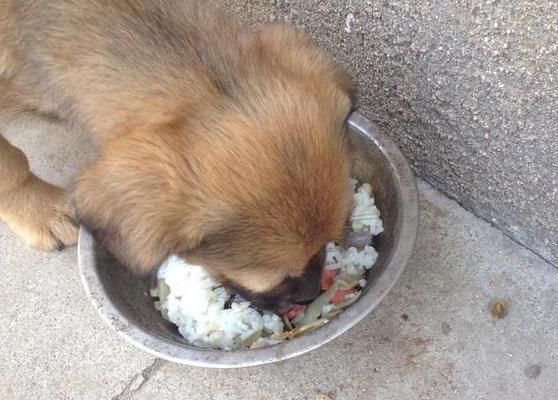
point(433, 337)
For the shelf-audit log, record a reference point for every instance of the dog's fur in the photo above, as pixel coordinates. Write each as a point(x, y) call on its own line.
point(218, 142)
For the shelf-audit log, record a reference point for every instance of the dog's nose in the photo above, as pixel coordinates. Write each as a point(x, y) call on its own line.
point(304, 301)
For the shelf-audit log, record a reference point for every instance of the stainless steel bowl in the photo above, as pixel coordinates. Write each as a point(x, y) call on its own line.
point(123, 300)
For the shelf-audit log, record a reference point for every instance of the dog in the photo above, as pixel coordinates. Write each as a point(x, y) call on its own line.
point(218, 142)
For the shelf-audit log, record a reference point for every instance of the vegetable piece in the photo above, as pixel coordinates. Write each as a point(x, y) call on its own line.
point(254, 337)
point(347, 281)
point(332, 313)
point(344, 304)
point(294, 311)
point(287, 323)
point(315, 308)
point(300, 330)
point(264, 342)
point(340, 295)
point(328, 277)
point(163, 290)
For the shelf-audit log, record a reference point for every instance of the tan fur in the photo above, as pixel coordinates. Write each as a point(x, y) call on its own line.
point(35, 210)
point(218, 142)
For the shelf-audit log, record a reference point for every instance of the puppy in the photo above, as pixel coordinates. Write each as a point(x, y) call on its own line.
point(218, 142)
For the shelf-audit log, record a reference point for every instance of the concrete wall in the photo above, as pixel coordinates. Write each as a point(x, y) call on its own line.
point(469, 89)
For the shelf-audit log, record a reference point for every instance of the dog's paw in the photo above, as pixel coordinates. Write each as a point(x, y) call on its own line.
point(54, 231)
point(41, 215)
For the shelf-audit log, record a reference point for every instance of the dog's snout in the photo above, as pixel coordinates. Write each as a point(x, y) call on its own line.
point(308, 290)
point(306, 299)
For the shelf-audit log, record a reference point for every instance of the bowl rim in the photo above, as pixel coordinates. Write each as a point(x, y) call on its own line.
point(377, 289)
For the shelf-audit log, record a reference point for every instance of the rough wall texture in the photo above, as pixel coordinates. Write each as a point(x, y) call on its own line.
point(469, 89)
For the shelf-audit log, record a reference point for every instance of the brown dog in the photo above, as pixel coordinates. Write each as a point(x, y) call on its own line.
point(218, 142)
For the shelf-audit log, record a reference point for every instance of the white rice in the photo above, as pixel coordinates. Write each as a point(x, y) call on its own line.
point(196, 303)
point(365, 214)
point(364, 218)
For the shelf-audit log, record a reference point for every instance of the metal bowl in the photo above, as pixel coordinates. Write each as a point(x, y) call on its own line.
point(123, 299)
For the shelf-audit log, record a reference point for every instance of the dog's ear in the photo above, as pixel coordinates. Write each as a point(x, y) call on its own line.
point(131, 202)
point(297, 50)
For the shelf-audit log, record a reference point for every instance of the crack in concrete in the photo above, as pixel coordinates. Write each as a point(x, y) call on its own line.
point(139, 380)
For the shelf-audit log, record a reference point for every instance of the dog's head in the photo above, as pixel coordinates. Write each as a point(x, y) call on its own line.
point(285, 185)
point(252, 187)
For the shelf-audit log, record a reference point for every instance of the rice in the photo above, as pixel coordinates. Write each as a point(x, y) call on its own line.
point(351, 260)
point(196, 305)
point(365, 214)
point(207, 316)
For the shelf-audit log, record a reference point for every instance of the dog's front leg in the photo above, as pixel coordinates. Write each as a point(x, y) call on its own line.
point(35, 210)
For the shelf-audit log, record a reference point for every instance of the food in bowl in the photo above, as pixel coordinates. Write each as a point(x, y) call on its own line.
point(207, 316)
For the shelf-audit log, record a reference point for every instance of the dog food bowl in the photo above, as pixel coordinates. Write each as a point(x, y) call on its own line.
point(123, 299)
